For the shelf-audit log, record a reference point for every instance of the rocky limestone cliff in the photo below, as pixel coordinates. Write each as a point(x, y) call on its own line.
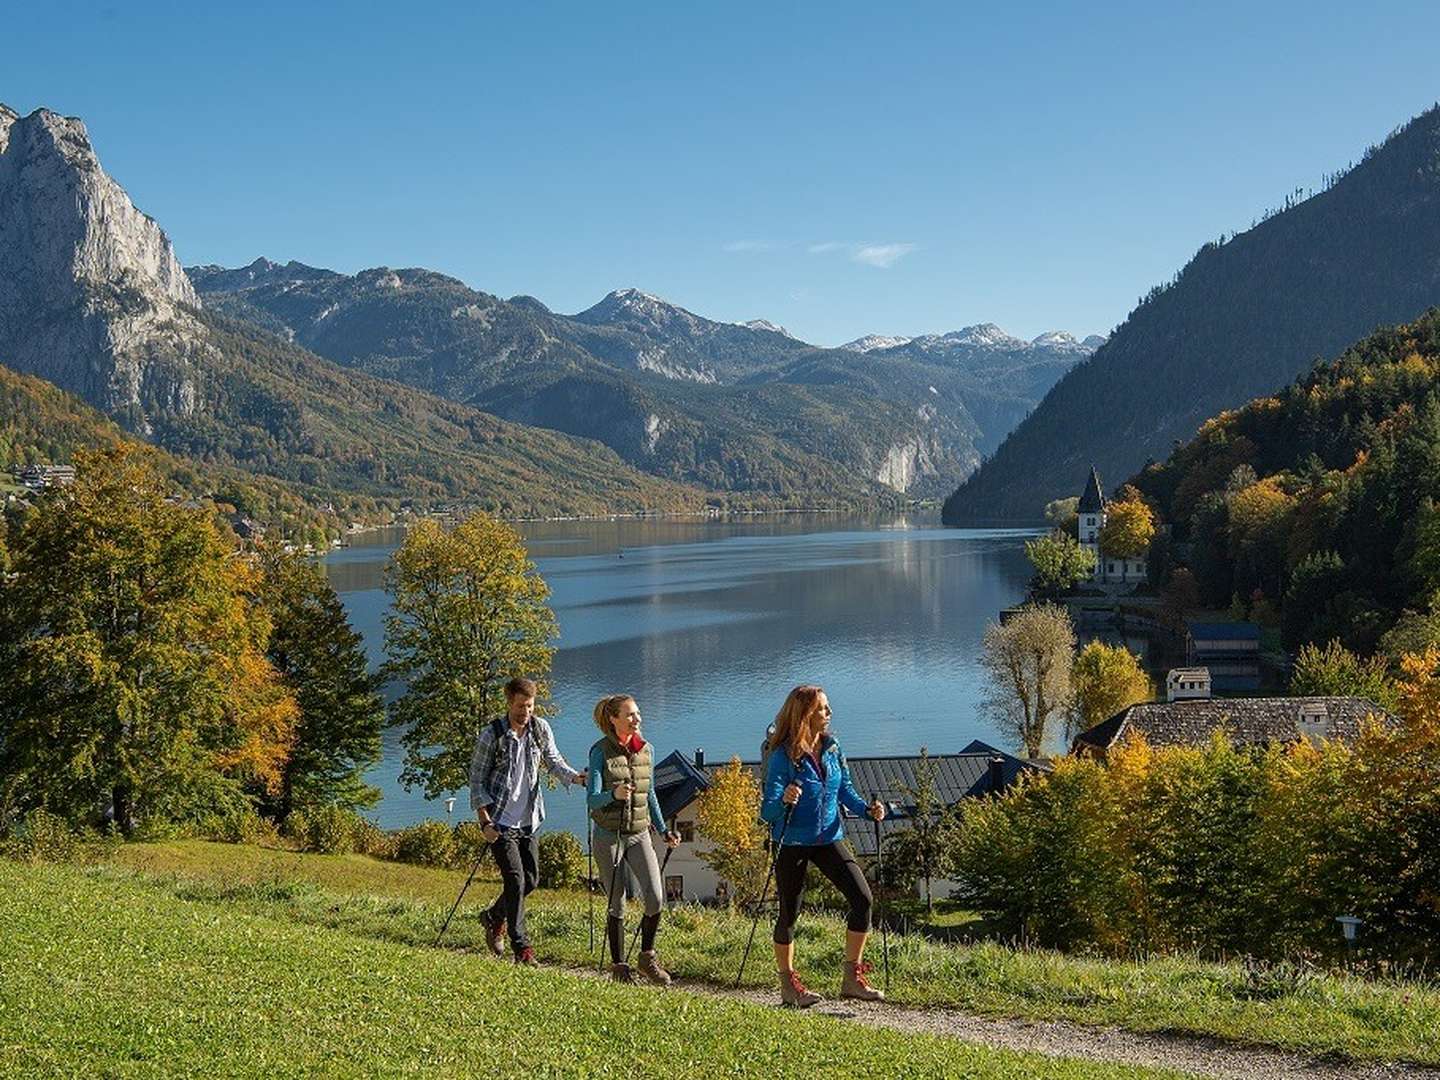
point(91, 294)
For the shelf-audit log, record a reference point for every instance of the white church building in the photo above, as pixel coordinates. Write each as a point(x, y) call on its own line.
point(1109, 569)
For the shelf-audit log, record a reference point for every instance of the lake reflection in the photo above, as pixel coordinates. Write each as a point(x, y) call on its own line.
point(710, 623)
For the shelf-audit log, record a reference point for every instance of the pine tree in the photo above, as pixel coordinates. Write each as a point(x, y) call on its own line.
point(322, 660)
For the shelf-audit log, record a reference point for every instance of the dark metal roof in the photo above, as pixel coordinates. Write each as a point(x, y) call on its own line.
point(957, 776)
point(1244, 720)
point(1093, 501)
point(1223, 631)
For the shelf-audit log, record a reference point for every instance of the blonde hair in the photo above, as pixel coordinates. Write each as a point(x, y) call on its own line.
point(607, 709)
point(798, 723)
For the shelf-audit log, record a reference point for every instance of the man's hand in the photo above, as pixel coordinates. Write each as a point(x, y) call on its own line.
point(583, 777)
point(623, 791)
point(489, 831)
point(672, 839)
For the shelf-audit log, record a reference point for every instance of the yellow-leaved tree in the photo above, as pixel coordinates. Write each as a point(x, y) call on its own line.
point(729, 817)
point(1129, 527)
point(1103, 680)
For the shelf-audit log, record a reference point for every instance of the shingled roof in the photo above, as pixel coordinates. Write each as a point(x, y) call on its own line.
point(1244, 720)
point(957, 776)
point(1093, 501)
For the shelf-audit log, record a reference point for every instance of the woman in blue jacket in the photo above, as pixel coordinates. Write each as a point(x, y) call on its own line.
point(806, 770)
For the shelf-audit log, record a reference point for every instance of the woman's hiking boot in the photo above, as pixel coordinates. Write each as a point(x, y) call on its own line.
point(526, 956)
point(621, 973)
point(854, 984)
point(651, 969)
point(495, 934)
point(794, 992)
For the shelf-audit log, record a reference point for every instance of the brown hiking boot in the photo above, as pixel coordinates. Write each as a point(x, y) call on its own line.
point(651, 969)
point(793, 991)
point(526, 956)
point(855, 986)
point(621, 973)
point(495, 935)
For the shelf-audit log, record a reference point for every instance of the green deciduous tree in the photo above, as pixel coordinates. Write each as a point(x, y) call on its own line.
point(468, 613)
point(322, 660)
point(1335, 671)
point(1104, 679)
point(1059, 563)
point(922, 850)
point(1026, 659)
point(135, 678)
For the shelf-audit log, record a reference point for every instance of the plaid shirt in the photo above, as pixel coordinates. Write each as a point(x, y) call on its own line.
point(496, 776)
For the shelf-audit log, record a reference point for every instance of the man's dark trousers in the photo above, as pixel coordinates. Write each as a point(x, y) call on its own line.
point(517, 854)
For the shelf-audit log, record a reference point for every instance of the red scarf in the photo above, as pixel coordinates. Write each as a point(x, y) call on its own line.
point(634, 743)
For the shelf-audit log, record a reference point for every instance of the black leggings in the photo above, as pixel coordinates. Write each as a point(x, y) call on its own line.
point(837, 863)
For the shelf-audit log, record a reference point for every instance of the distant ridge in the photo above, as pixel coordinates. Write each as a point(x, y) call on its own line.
point(1243, 318)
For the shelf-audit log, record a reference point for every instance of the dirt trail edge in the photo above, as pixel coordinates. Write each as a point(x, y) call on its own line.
point(1197, 1055)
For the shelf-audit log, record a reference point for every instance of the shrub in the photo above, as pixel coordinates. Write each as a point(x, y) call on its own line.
point(431, 843)
point(42, 837)
point(238, 827)
point(470, 845)
point(332, 830)
point(562, 861)
point(374, 841)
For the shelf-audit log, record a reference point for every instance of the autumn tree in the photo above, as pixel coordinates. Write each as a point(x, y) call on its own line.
point(1059, 561)
point(728, 815)
point(1026, 659)
point(322, 660)
point(135, 679)
point(1129, 527)
point(1104, 679)
point(468, 613)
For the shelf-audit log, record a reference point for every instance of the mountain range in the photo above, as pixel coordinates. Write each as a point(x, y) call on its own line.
point(1243, 318)
point(406, 383)
point(731, 407)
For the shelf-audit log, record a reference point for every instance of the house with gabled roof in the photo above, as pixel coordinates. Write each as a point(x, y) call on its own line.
point(977, 770)
point(1091, 510)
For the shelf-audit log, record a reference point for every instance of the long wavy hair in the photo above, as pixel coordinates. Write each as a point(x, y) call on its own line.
point(607, 709)
point(799, 722)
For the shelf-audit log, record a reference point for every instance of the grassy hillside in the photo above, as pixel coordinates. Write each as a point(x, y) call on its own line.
point(97, 978)
point(1243, 318)
point(1288, 1006)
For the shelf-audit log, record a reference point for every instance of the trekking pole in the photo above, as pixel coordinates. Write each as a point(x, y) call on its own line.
point(473, 870)
point(880, 884)
point(590, 875)
point(789, 810)
point(636, 935)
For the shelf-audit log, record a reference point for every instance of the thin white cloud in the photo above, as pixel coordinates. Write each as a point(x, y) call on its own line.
point(742, 246)
point(882, 256)
point(823, 249)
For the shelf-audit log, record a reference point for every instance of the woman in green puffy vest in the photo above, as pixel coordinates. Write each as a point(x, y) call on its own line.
point(624, 808)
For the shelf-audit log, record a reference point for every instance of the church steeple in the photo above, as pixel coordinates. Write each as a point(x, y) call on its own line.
point(1093, 501)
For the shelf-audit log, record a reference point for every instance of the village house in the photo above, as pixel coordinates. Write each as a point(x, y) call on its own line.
point(1190, 717)
point(977, 770)
point(40, 477)
point(1109, 569)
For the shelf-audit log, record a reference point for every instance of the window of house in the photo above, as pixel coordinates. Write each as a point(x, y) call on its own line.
point(687, 832)
point(674, 888)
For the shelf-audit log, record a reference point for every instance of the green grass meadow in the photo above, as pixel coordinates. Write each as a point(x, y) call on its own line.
point(104, 974)
point(192, 957)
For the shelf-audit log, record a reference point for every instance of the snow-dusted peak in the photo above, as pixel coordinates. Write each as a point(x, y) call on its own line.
point(1055, 339)
point(871, 342)
point(984, 336)
point(766, 324)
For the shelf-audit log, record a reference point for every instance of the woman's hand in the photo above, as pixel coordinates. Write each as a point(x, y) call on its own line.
point(672, 840)
point(791, 795)
point(623, 791)
point(877, 810)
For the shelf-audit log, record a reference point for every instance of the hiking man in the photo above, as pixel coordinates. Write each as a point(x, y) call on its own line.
point(505, 795)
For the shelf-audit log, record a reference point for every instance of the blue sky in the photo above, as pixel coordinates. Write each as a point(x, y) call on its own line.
point(830, 167)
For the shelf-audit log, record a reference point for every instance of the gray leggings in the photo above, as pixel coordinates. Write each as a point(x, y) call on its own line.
point(639, 856)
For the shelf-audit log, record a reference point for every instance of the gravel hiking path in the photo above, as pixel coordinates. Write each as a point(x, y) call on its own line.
point(1196, 1055)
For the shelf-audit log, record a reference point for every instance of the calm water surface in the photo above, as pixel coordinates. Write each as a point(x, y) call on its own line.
point(709, 624)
